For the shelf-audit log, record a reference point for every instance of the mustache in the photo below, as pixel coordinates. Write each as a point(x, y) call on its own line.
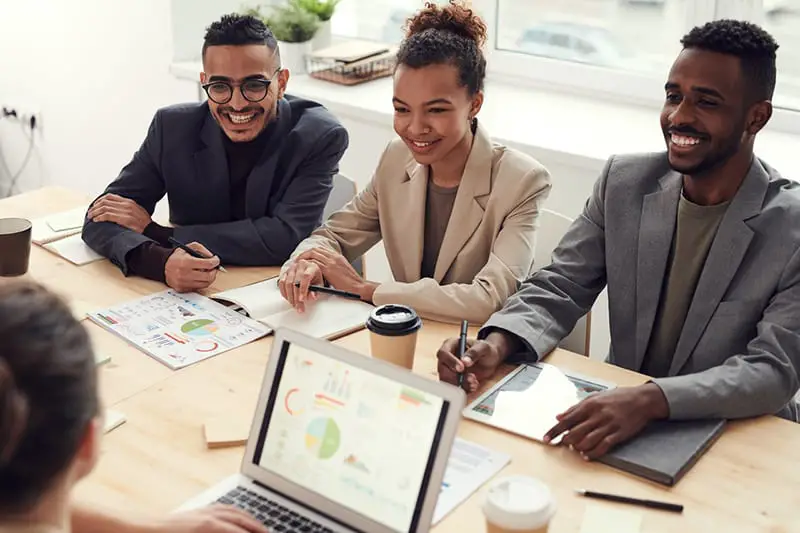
point(228, 109)
point(686, 130)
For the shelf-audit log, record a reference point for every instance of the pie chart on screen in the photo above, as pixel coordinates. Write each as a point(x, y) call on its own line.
point(199, 327)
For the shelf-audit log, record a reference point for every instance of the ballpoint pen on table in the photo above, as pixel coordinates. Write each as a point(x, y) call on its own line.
point(664, 506)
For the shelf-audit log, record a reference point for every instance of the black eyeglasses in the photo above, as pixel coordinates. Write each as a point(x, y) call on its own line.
point(221, 92)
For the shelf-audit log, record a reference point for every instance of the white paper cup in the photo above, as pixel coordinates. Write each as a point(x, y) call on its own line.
point(393, 334)
point(518, 504)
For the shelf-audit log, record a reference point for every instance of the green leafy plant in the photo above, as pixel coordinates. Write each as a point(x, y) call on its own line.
point(323, 9)
point(289, 24)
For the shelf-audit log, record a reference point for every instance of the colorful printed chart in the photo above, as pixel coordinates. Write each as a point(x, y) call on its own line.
point(179, 329)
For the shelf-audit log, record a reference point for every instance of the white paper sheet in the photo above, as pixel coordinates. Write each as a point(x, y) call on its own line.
point(67, 220)
point(179, 329)
point(74, 250)
point(470, 466)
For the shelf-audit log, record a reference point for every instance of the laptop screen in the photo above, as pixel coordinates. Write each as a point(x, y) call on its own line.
point(359, 439)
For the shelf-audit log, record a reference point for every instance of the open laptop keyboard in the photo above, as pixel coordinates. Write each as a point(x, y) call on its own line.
point(272, 514)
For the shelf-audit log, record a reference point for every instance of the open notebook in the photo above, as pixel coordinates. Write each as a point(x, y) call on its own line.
point(328, 317)
point(74, 250)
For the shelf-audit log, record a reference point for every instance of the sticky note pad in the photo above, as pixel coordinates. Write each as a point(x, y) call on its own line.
point(223, 432)
point(610, 519)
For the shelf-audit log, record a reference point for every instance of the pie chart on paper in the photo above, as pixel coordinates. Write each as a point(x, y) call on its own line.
point(199, 327)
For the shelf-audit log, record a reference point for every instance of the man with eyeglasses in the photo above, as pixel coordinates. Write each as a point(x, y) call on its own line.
point(247, 173)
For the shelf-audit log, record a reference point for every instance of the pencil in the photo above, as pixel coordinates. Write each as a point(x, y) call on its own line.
point(462, 348)
point(191, 252)
point(652, 504)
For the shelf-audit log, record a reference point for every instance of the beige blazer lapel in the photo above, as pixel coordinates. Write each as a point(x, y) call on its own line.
point(726, 253)
point(659, 212)
point(411, 200)
point(467, 213)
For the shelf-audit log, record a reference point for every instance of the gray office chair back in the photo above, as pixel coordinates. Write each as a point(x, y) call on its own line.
point(344, 189)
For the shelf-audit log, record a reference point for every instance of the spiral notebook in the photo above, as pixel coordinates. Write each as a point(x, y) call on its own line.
point(666, 449)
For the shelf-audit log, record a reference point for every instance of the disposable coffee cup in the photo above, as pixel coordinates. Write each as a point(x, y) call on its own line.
point(518, 504)
point(393, 334)
point(15, 246)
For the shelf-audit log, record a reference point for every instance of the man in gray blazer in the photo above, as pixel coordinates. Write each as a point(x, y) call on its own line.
point(700, 250)
point(247, 173)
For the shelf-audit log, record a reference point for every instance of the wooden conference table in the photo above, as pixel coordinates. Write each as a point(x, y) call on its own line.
point(748, 482)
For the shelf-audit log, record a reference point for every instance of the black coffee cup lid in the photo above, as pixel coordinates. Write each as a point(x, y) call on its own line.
point(393, 320)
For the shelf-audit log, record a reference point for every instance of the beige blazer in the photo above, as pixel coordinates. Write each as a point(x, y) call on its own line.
point(488, 246)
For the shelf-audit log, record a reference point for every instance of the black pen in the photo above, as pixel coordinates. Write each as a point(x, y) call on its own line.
point(462, 347)
point(191, 252)
point(329, 290)
point(664, 506)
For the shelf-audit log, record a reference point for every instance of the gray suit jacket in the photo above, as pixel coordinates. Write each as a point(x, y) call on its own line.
point(183, 156)
point(739, 352)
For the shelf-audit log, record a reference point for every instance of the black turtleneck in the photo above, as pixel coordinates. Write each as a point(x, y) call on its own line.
point(148, 260)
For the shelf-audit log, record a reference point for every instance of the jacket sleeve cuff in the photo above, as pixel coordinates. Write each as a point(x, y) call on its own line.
point(535, 345)
point(682, 398)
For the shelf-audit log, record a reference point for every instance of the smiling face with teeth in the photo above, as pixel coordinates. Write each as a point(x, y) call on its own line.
point(708, 123)
point(433, 116)
point(241, 119)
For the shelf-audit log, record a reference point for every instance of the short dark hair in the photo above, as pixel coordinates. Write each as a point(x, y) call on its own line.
point(237, 29)
point(753, 45)
point(450, 35)
point(48, 392)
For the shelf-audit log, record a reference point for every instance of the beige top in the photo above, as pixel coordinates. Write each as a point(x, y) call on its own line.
point(695, 230)
point(439, 203)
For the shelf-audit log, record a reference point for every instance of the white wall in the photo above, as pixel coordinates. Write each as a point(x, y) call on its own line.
point(96, 70)
point(190, 18)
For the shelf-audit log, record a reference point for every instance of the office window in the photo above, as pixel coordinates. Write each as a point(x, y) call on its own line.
point(612, 49)
point(629, 35)
point(374, 20)
point(782, 19)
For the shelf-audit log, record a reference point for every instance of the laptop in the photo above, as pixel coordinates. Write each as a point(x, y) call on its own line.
point(341, 442)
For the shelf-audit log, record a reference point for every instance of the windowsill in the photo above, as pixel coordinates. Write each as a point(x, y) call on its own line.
point(575, 130)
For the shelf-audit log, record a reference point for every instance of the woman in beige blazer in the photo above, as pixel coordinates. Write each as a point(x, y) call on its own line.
point(457, 212)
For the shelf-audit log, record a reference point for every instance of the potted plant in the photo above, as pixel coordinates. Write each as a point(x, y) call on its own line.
point(294, 28)
point(323, 9)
